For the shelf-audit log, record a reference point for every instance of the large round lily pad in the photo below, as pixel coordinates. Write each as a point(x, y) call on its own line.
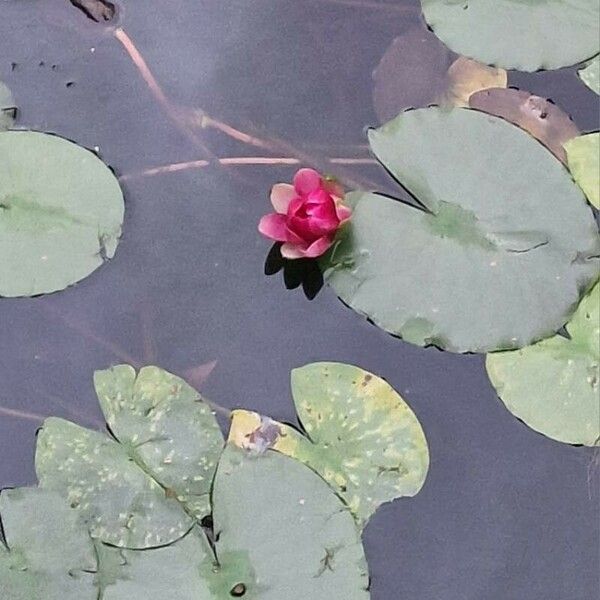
point(492, 256)
point(61, 211)
point(150, 484)
point(48, 554)
point(554, 385)
point(583, 158)
point(282, 533)
point(363, 439)
point(518, 34)
point(590, 74)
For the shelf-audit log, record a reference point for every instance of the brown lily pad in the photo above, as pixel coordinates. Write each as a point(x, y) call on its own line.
point(540, 117)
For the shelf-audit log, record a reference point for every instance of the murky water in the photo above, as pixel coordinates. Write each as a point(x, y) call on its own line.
point(506, 513)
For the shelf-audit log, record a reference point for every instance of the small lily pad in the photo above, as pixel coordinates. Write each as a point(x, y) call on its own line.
point(493, 256)
point(48, 554)
point(554, 385)
point(541, 118)
point(527, 35)
point(61, 211)
point(466, 76)
point(362, 438)
point(7, 108)
point(150, 484)
point(590, 74)
point(583, 159)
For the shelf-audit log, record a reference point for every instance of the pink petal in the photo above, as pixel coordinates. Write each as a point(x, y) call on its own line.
point(343, 212)
point(274, 227)
point(333, 187)
point(291, 252)
point(307, 181)
point(319, 247)
point(281, 196)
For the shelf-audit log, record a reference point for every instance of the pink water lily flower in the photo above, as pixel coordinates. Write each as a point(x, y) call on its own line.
point(308, 215)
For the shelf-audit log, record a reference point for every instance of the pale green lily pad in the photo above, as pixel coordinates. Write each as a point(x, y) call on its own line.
point(283, 533)
point(7, 108)
point(175, 435)
point(61, 211)
point(151, 484)
point(554, 385)
point(363, 439)
point(518, 34)
point(500, 254)
point(48, 554)
point(583, 159)
point(590, 74)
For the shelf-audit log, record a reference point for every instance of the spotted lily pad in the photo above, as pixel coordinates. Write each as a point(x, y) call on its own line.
point(491, 257)
point(541, 118)
point(7, 108)
point(590, 74)
point(583, 158)
point(518, 34)
point(362, 438)
point(282, 533)
point(148, 485)
point(554, 385)
point(48, 555)
point(61, 211)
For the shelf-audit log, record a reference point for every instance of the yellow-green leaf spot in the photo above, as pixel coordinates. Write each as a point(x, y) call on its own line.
point(554, 385)
point(583, 159)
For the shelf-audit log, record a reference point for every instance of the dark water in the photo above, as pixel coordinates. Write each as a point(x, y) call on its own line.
point(506, 514)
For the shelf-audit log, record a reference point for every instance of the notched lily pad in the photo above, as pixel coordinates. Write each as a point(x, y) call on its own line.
point(554, 385)
point(48, 554)
point(362, 438)
point(493, 257)
point(541, 118)
point(8, 108)
point(61, 211)
point(150, 484)
point(282, 533)
point(590, 74)
point(583, 159)
point(525, 34)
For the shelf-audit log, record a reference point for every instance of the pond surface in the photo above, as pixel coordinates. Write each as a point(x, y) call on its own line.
point(506, 513)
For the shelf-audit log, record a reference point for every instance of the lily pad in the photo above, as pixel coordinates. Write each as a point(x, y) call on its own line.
point(363, 439)
point(61, 211)
point(466, 76)
point(590, 74)
point(541, 118)
point(583, 158)
point(7, 108)
point(518, 34)
point(151, 484)
point(554, 385)
point(48, 554)
point(491, 257)
point(282, 533)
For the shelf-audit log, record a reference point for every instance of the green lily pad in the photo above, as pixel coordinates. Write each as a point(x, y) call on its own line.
point(493, 256)
point(282, 533)
point(175, 434)
point(518, 34)
point(583, 159)
point(61, 211)
point(363, 439)
point(48, 554)
point(7, 108)
point(554, 385)
point(590, 74)
point(149, 485)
